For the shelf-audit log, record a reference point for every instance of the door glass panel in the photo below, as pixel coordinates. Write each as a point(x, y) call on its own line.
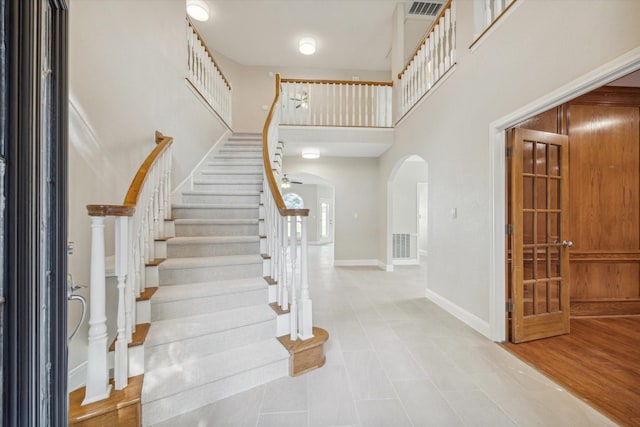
point(554, 160)
point(554, 194)
point(527, 153)
point(554, 296)
point(541, 227)
point(527, 192)
point(541, 193)
point(541, 264)
point(554, 262)
point(528, 264)
point(541, 159)
point(528, 299)
point(528, 227)
point(541, 298)
point(554, 227)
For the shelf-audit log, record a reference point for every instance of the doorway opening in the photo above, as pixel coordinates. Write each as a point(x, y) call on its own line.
point(408, 211)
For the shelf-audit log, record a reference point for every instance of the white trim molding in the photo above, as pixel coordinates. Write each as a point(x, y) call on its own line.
point(355, 262)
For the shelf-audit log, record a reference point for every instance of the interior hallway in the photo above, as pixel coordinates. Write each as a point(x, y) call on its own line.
point(396, 359)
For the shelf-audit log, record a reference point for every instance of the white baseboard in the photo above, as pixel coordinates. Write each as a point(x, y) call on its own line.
point(355, 262)
point(460, 313)
point(77, 377)
point(386, 267)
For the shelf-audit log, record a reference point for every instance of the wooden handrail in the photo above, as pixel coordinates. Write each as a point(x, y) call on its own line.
point(206, 48)
point(348, 82)
point(273, 185)
point(424, 39)
point(128, 207)
point(131, 199)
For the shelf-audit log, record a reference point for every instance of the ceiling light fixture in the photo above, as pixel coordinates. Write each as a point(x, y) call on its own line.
point(198, 10)
point(307, 46)
point(310, 154)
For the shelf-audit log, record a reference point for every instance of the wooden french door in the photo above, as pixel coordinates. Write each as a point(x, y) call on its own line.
point(539, 268)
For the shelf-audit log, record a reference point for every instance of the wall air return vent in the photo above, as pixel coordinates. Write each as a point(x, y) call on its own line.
point(420, 8)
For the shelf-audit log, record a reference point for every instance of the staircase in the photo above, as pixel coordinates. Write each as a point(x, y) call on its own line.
point(212, 331)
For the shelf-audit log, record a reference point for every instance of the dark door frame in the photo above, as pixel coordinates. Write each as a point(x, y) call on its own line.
point(34, 145)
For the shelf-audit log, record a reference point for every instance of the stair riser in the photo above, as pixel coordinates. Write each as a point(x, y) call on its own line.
point(224, 155)
point(218, 213)
point(255, 169)
point(165, 408)
point(227, 187)
point(213, 249)
point(252, 151)
point(203, 274)
point(233, 176)
point(234, 162)
point(206, 305)
point(220, 198)
point(177, 352)
point(193, 230)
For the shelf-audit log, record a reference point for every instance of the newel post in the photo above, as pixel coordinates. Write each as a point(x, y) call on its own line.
point(98, 386)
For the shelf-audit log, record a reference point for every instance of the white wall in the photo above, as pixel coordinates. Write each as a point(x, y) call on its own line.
point(356, 200)
point(127, 68)
point(533, 51)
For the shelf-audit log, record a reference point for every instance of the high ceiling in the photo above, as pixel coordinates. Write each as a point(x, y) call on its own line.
point(351, 34)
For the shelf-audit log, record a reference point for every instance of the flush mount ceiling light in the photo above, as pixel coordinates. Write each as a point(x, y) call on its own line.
point(310, 154)
point(307, 46)
point(198, 10)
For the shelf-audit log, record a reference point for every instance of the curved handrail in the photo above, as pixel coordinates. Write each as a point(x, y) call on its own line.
point(348, 82)
point(273, 185)
point(446, 6)
point(163, 142)
point(128, 207)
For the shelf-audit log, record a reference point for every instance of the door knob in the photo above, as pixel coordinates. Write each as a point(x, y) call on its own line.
point(567, 243)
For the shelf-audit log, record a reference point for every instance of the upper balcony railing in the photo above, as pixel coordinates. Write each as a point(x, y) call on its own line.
point(336, 103)
point(205, 76)
point(431, 60)
point(492, 11)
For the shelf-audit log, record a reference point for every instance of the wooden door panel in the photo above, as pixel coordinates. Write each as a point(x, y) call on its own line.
point(604, 280)
point(605, 172)
point(539, 275)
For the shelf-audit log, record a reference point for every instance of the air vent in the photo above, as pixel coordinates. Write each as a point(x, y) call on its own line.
point(420, 8)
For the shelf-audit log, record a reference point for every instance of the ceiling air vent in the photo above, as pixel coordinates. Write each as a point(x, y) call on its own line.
point(420, 8)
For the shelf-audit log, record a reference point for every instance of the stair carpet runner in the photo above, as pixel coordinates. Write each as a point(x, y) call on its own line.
point(212, 331)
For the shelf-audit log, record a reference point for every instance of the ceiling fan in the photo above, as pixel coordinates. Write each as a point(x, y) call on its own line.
point(286, 182)
point(301, 99)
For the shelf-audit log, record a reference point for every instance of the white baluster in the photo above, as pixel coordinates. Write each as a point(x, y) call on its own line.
point(305, 319)
point(293, 311)
point(497, 8)
point(131, 281)
point(432, 60)
point(447, 32)
point(98, 386)
point(359, 104)
point(334, 121)
point(121, 359)
point(340, 104)
point(488, 16)
point(453, 32)
point(441, 46)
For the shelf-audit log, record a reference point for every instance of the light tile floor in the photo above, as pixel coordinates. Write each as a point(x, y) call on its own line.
point(396, 359)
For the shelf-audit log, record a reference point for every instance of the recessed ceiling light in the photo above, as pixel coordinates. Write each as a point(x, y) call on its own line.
point(307, 46)
point(198, 10)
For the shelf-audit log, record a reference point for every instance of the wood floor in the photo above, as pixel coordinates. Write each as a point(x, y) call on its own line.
point(599, 361)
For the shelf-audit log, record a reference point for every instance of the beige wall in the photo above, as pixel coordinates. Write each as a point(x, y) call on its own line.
point(534, 51)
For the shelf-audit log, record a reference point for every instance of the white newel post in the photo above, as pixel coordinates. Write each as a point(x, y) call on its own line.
point(98, 386)
point(305, 319)
point(121, 368)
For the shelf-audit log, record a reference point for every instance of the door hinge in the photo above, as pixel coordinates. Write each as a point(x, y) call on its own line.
point(508, 228)
point(508, 152)
point(510, 307)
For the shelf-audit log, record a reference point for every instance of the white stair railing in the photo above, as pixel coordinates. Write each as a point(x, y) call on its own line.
point(493, 9)
point(138, 222)
point(336, 103)
point(433, 57)
point(288, 266)
point(206, 77)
